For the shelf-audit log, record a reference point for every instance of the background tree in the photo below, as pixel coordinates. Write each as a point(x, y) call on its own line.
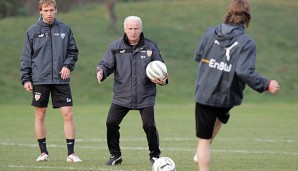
point(29, 7)
point(113, 18)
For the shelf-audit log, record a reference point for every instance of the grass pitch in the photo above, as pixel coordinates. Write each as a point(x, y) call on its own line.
point(258, 137)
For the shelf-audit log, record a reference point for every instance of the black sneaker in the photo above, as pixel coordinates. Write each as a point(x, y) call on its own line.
point(114, 160)
point(152, 159)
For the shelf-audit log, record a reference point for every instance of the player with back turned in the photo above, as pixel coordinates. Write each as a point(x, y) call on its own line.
point(226, 56)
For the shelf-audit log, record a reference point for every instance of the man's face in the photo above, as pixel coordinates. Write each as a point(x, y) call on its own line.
point(48, 13)
point(133, 31)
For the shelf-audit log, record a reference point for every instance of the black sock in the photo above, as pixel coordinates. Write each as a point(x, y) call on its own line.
point(42, 145)
point(70, 145)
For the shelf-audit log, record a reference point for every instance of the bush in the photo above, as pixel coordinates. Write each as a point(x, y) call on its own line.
point(28, 7)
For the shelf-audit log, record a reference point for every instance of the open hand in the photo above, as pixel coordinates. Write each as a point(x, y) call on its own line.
point(99, 74)
point(160, 81)
point(65, 73)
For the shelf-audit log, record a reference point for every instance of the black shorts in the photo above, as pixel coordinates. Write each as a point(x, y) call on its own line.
point(60, 93)
point(206, 117)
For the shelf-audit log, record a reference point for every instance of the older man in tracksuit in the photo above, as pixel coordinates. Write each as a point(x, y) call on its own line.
point(127, 58)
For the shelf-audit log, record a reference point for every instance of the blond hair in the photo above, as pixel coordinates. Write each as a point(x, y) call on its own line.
point(47, 2)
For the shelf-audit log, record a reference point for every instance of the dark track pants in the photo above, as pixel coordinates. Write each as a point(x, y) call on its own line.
point(115, 117)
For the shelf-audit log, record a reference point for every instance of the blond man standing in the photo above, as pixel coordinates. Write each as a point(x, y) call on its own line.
point(49, 55)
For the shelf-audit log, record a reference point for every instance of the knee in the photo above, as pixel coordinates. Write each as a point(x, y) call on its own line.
point(67, 113)
point(40, 113)
point(111, 123)
point(68, 116)
point(149, 127)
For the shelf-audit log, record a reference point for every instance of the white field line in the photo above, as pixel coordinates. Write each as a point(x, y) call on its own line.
point(132, 139)
point(191, 139)
point(61, 168)
point(6, 143)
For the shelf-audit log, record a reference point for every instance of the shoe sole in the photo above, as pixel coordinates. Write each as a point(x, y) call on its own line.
point(45, 160)
point(117, 162)
point(113, 164)
point(72, 161)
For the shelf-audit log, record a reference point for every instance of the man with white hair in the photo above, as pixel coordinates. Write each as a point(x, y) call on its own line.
point(127, 58)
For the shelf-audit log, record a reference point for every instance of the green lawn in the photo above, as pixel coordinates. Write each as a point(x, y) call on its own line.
point(257, 138)
point(261, 135)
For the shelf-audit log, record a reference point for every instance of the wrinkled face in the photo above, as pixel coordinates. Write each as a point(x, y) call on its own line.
point(133, 30)
point(48, 13)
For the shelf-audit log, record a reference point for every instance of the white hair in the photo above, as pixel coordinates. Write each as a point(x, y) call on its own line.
point(133, 18)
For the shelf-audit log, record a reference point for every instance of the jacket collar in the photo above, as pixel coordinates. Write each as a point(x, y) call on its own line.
point(42, 23)
point(140, 43)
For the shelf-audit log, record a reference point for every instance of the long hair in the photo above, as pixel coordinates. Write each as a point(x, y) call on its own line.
point(47, 2)
point(238, 12)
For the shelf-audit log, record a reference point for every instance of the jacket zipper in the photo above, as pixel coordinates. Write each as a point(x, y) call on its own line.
point(52, 53)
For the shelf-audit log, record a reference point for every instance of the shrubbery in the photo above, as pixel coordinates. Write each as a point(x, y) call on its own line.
point(28, 7)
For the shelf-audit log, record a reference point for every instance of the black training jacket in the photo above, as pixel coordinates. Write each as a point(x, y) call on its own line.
point(47, 48)
point(227, 57)
point(132, 88)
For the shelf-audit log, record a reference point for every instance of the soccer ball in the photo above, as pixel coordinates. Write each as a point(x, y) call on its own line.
point(164, 164)
point(156, 69)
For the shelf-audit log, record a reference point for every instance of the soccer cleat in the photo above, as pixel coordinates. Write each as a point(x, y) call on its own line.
point(42, 157)
point(153, 159)
point(114, 160)
point(195, 158)
point(73, 158)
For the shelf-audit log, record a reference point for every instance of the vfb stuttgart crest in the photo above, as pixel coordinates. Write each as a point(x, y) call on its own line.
point(37, 96)
point(149, 52)
point(62, 35)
